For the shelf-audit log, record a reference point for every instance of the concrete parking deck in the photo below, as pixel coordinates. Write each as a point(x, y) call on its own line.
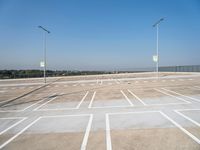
point(112, 112)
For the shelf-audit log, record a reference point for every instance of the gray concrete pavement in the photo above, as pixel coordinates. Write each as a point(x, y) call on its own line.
point(113, 112)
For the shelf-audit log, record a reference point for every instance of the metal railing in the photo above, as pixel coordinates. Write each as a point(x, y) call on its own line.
point(191, 68)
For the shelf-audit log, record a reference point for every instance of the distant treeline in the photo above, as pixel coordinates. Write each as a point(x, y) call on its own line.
point(12, 74)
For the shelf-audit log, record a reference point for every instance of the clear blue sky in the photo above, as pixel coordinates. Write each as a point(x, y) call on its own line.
point(98, 34)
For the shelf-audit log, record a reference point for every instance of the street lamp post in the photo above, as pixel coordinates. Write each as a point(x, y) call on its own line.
point(45, 61)
point(157, 40)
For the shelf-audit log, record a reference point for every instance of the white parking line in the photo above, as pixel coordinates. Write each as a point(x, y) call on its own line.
point(78, 106)
point(182, 95)
point(21, 110)
point(10, 127)
point(32, 123)
point(33, 104)
point(181, 128)
point(173, 96)
point(90, 105)
point(186, 117)
point(108, 137)
point(87, 132)
point(100, 107)
point(137, 97)
point(129, 101)
point(45, 103)
point(19, 133)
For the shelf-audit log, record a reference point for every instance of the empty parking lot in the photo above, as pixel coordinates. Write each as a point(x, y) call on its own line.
point(112, 112)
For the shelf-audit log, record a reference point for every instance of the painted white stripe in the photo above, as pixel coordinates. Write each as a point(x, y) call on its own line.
point(19, 133)
point(108, 137)
point(127, 98)
point(173, 96)
point(34, 104)
point(45, 103)
point(137, 97)
point(186, 117)
point(101, 107)
point(78, 106)
point(181, 128)
point(90, 105)
point(87, 132)
point(60, 116)
point(32, 123)
point(10, 127)
point(136, 112)
point(182, 95)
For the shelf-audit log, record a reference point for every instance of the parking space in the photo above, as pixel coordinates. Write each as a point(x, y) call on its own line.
point(64, 101)
point(156, 97)
point(6, 124)
point(191, 93)
point(25, 102)
point(145, 130)
point(109, 98)
point(11, 92)
point(72, 132)
point(191, 116)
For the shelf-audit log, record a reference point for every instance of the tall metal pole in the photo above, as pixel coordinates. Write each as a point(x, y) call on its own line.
point(157, 40)
point(157, 64)
point(45, 60)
